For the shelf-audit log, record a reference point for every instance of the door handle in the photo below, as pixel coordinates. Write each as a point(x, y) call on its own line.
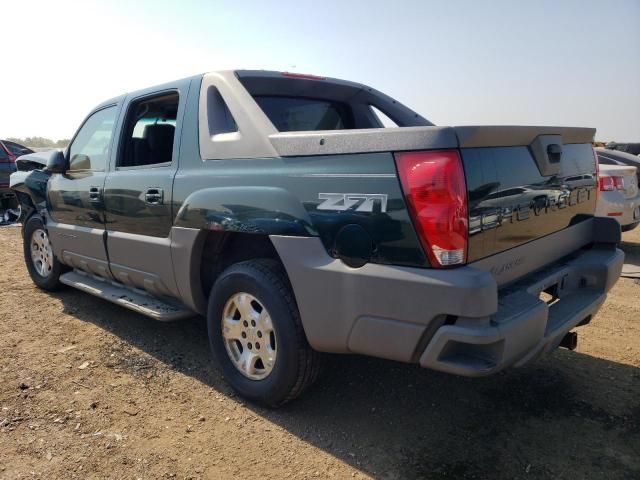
point(95, 194)
point(154, 196)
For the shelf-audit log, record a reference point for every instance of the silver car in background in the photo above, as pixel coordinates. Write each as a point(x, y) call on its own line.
point(619, 196)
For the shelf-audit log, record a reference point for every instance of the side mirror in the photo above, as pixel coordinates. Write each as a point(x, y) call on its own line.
point(81, 162)
point(57, 163)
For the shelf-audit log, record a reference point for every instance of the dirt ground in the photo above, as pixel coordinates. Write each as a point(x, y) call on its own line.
point(90, 390)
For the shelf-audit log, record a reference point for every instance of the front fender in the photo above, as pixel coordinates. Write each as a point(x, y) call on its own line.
point(33, 184)
point(260, 210)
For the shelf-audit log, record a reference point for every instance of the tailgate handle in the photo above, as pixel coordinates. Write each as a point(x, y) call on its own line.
point(547, 152)
point(555, 153)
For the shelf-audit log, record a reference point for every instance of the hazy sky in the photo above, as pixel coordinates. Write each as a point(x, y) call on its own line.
point(456, 62)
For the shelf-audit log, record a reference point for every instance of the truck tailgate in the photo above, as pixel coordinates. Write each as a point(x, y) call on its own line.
point(525, 183)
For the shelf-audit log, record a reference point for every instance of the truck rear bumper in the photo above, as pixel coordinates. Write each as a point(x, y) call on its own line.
point(455, 320)
point(526, 325)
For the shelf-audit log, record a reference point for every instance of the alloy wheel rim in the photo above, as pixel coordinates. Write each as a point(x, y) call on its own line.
point(249, 336)
point(41, 253)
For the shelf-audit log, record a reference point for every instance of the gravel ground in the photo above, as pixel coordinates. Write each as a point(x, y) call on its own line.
point(90, 390)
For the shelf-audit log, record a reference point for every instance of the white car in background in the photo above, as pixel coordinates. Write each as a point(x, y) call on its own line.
point(619, 196)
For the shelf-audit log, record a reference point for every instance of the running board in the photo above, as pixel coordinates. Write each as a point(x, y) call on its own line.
point(127, 297)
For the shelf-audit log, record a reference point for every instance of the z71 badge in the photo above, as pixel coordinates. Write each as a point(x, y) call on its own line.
point(358, 202)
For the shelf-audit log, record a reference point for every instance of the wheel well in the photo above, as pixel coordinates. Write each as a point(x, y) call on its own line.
point(223, 249)
point(28, 208)
point(26, 203)
point(9, 201)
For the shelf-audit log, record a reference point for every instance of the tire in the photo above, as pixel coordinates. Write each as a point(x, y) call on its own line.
point(13, 214)
point(255, 286)
point(631, 226)
point(47, 278)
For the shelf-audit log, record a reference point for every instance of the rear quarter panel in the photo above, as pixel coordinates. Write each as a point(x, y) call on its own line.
point(281, 196)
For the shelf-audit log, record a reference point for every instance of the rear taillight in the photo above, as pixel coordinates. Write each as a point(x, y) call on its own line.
point(609, 184)
point(436, 194)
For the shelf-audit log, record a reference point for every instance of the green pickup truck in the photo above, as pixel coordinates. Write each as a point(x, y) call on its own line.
point(303, 214)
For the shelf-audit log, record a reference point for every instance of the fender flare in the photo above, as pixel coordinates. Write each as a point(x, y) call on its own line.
point(254, 209)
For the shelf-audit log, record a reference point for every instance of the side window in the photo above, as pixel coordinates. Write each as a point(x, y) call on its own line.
point(90, 148)
point(149, 132)
point(3, 154)
point(220, 118)
point(606, 161)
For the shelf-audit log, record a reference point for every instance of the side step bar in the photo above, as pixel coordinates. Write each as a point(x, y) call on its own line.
point(135, 300)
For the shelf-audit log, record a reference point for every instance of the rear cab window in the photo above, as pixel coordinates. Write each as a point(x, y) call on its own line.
point(306, 103)
point(294, 114)
point(383, 118)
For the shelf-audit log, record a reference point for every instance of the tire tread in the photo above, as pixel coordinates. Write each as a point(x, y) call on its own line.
point(309, 360)
point(270, 272)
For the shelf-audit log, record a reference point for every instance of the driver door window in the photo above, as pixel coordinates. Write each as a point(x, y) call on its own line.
point(90, 148)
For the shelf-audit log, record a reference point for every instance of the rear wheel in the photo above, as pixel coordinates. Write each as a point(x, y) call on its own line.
point(631, 226)
point(256, 334)
point(43, 266)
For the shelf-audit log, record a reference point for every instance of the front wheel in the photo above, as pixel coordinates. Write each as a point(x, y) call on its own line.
point(256, 334)
point(43, 266)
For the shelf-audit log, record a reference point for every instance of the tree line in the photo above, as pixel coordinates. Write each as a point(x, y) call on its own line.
point(40, 142)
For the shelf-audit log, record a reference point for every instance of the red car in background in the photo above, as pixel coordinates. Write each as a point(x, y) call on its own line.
point(13, 149)
point(9, 206)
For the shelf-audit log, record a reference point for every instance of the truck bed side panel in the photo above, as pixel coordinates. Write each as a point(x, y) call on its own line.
point(282, 196)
